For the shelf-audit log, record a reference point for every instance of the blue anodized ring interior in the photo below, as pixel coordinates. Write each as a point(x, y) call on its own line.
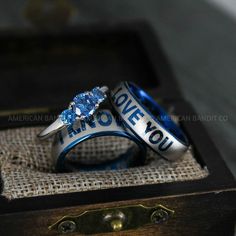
point(148, 121)
point(103, 124)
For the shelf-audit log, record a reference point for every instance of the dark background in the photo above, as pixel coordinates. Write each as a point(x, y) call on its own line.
point(198, 38)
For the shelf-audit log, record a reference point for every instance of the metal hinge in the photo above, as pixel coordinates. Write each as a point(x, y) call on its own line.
point(112, 219)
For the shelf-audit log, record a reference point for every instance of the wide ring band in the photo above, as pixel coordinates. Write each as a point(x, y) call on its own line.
point(103, 124)
point(148, 121)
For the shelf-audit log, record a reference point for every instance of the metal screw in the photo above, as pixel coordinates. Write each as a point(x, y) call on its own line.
point(159, 216)
point(67, 226)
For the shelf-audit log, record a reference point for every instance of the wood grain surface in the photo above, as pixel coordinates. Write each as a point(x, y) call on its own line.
point(209, 213)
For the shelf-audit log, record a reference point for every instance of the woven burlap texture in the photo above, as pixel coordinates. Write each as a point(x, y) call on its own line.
point(27, 168)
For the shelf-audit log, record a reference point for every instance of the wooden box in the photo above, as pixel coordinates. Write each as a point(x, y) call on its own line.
point(40, 73)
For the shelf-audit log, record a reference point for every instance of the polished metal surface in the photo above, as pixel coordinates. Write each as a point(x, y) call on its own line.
point(51, 129)
point(104, 124)
point(143, 126)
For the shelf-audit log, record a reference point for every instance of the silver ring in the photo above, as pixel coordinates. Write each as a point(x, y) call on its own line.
point(82, 107)
point(104, 123)
point(148, 121)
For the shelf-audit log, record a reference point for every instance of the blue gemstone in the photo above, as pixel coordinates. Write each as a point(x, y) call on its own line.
point(86, 103)
point(98, 94)
point(68, 117)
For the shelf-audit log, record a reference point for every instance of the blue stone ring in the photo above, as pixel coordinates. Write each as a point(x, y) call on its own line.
point(82, 107)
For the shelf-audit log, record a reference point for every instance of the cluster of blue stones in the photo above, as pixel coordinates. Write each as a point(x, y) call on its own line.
point(84, 106)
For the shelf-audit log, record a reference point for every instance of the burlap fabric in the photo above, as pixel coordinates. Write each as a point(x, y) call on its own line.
point(27, 168)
